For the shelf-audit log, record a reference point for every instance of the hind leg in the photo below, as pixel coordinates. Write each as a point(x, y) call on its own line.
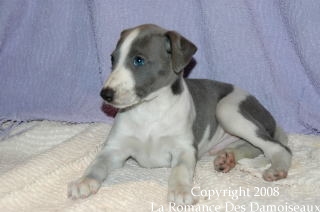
point(244, 117)
point(227, 158)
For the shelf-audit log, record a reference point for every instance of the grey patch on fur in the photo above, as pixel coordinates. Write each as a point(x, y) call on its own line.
point(206, 94)
point(156, 72)
point(176, 87)
point(252, 110)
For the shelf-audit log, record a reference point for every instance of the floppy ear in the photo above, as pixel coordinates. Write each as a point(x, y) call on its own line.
point(181, 50)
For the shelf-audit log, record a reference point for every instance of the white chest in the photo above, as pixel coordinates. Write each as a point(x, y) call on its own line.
point(153, 144)
point(156, 131)
point(154, 153)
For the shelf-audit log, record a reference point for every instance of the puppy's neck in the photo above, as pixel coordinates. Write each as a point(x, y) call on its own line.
point(167, 101)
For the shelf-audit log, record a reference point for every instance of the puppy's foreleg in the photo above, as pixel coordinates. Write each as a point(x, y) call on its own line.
point(106, 161)
point(181, 178)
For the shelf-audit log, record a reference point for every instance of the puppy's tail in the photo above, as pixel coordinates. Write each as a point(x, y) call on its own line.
point(281, 136)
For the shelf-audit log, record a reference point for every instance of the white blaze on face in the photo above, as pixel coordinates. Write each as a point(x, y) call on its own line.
point(121, 79)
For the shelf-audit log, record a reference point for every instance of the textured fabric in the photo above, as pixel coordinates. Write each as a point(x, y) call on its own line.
point(48, 62)
point(54, 55)
point(37, 165)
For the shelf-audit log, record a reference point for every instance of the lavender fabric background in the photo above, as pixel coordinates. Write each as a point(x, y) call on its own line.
point(54, 54)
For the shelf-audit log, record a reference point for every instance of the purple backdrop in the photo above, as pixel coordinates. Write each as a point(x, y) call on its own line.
point(54, 54)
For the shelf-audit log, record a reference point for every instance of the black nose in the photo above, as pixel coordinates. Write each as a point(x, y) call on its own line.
point(107, 94)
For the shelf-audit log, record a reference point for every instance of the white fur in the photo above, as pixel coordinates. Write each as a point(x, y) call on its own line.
point(157, 129)
point(121, 79)
point(156, 133)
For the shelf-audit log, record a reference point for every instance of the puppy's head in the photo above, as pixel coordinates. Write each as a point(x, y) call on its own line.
point(146, 58)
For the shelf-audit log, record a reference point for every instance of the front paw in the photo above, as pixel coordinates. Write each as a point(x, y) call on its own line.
point(83, 188)
point(181, 195)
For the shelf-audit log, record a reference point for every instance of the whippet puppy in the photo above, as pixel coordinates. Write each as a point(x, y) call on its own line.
point(168, 121)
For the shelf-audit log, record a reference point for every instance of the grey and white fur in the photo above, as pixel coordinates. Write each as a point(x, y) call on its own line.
point(168, 121)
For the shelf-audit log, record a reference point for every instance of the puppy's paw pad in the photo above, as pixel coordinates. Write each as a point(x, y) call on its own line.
point(224, 161)
point(181, 195)
point(83, 188)
point(273, 175)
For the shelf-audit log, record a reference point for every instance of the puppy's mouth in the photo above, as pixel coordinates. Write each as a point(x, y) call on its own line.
point(125, 105)
point(122, 105)
point(119, 98)
point(123, 99)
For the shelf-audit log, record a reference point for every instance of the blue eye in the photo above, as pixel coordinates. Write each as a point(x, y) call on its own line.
point(138, 61)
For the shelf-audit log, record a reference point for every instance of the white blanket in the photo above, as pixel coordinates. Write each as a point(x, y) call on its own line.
point(37, 163)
